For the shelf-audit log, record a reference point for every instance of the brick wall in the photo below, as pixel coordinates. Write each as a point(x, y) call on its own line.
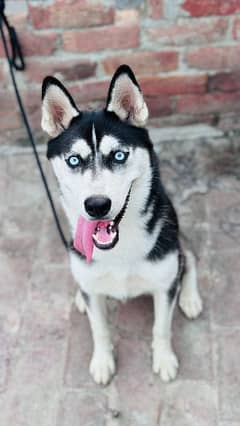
point(186, 54)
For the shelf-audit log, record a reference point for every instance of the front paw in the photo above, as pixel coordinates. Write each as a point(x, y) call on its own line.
point(165, 362)
point(191, 304)
point(102, 367)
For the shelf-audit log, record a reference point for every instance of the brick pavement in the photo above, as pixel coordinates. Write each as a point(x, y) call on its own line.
point(45, 344)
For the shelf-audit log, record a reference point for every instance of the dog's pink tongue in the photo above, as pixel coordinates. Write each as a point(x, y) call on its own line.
point(83, 241)
point(83, 237)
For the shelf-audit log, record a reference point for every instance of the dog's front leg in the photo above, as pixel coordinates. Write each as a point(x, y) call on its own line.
point(165, 361)
point(102, 365)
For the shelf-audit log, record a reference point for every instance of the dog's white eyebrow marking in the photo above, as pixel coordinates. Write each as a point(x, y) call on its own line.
point(94, 138)
point(82, 148)
point(108, 144)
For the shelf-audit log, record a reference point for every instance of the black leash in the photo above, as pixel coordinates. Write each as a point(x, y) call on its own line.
point(16, 61)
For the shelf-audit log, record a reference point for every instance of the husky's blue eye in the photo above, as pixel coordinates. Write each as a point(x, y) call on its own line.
point(120, 156)
point(73, 161)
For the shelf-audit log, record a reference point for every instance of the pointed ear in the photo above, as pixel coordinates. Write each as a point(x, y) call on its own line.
point(58, 107)
point(125, 97)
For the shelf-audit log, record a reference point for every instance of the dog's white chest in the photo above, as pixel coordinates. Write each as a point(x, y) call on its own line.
point(125, 280)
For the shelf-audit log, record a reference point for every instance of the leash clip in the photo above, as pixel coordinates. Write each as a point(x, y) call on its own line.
point(17, 59)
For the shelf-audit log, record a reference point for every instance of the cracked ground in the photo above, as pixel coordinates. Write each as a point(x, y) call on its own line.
point(45, 344)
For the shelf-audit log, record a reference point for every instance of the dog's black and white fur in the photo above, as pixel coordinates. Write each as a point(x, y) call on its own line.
point(148, 257)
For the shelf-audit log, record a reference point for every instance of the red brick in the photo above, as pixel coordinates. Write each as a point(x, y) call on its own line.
point(236, 29)
point(2, 52)
point(18, 20)
point(32, 103)
point(9, 115)
point(155, 8)
point(77, 13)
point(211, 7)
point(224, 82)
point(214, 57)
point(208, 103)
point(67, 70)
point(183, 120)
point(173, 85)
point(159, 106)
point(193, 32)
point(36, 44)
point(90, 91)
point(144, 62)
point(111, 37)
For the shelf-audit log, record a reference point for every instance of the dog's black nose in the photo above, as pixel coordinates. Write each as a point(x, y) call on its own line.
point(97, 206)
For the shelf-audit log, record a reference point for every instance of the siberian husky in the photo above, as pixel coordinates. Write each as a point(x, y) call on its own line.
point(124, 227)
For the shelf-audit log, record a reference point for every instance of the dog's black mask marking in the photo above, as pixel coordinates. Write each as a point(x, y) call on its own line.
point(105, 123)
